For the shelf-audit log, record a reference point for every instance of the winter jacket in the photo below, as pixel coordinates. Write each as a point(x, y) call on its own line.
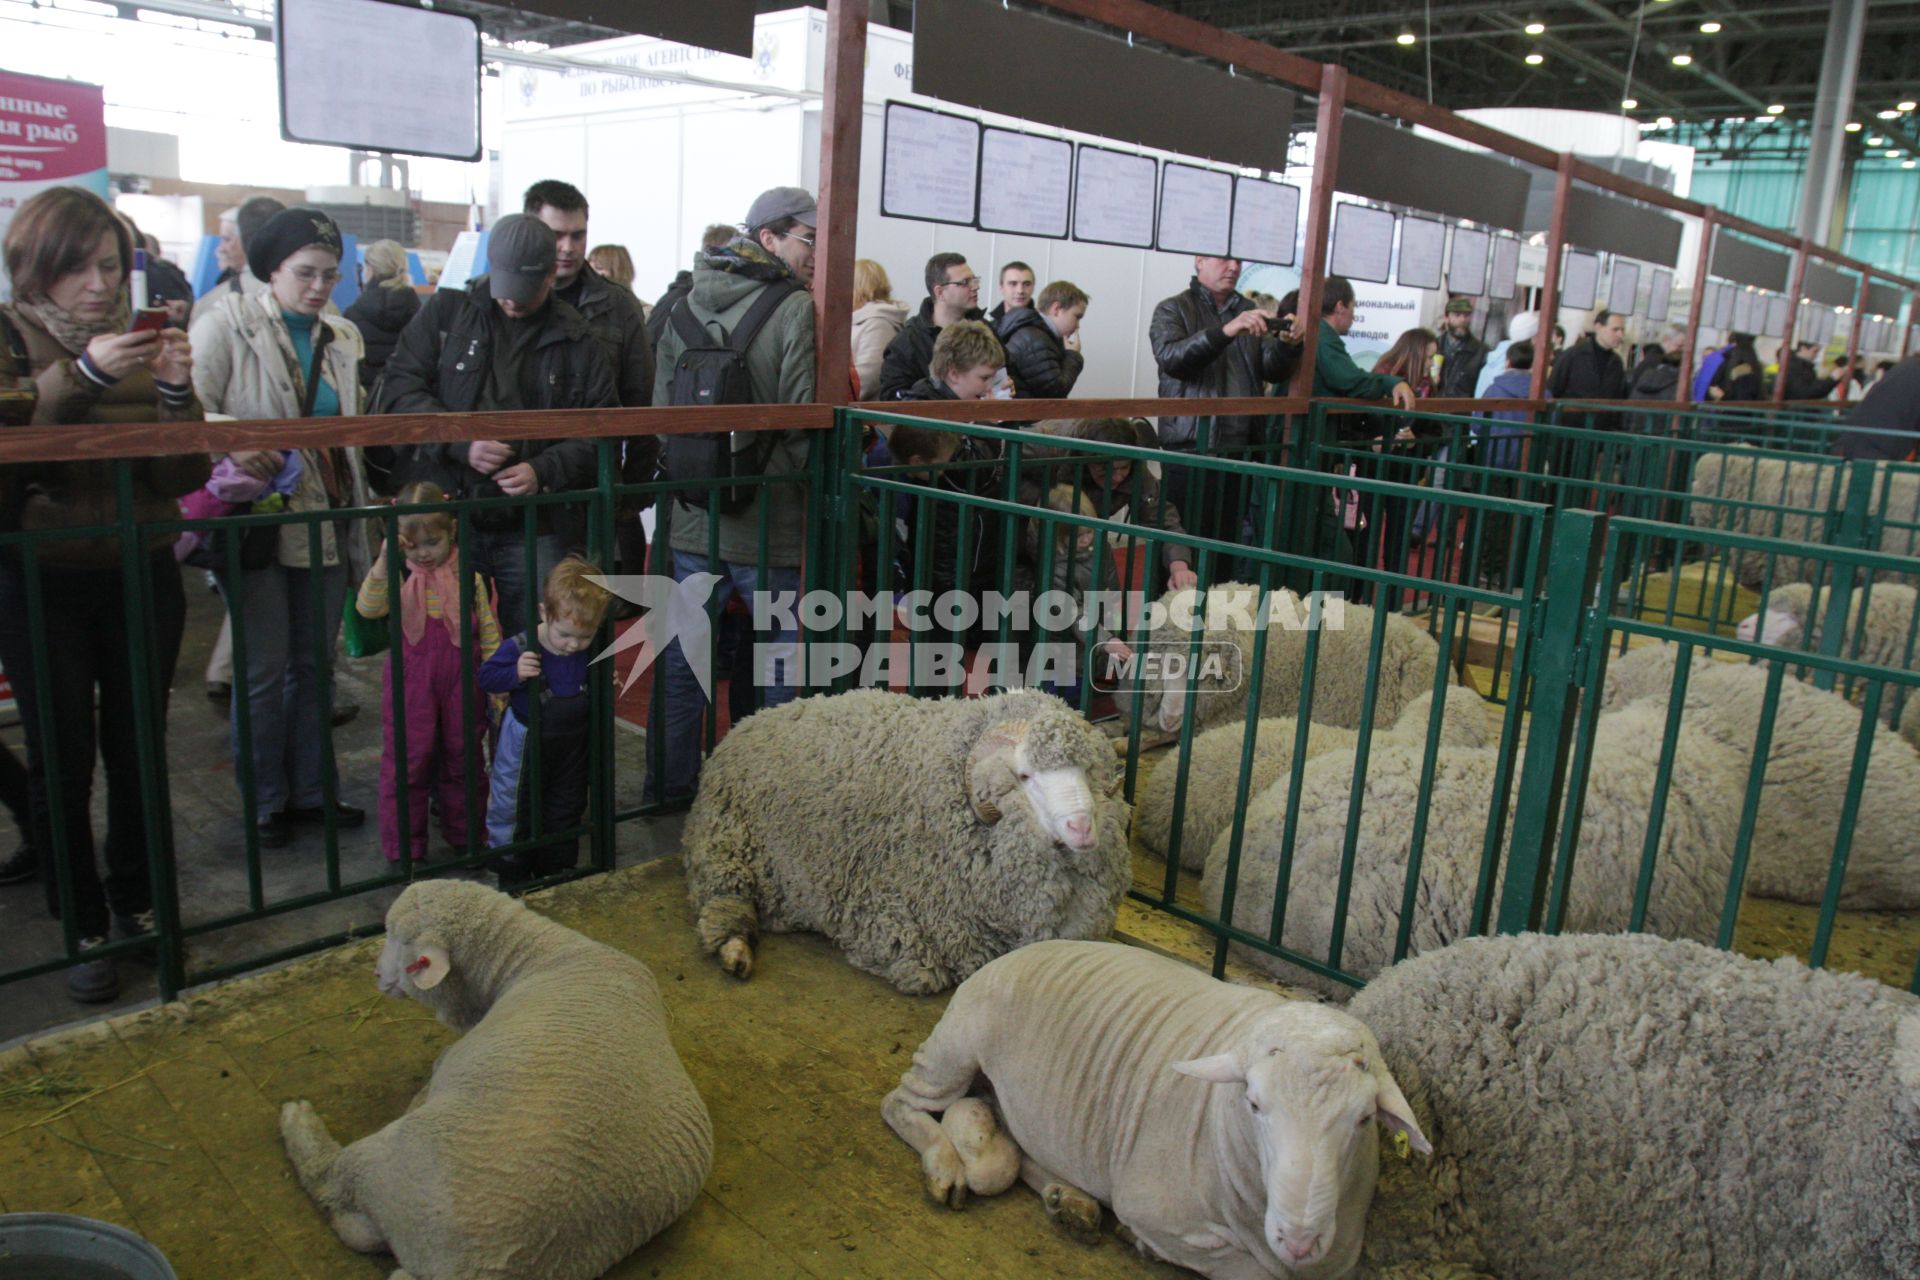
point(380, 314)
point(54, 495)
point(1709, 370)
point(1804, 381)
point(1503, 430)
point(441, 365)
point(244, 366)
point(875, 325)
point(779, 362)
point(1198, 361)
point(1037, 359)
point(615, 317)
point(945, 570)
point(1588, 371)
point(910, 354)
point(657, 319)
point(1462, 357)
point(1740, 377)
point(1656, 378)
point(1890, 405)
point(1335, 373)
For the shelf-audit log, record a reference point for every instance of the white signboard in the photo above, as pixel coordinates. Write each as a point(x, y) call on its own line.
point(1196, 210)
point(1423, 253)
point(1113, 195)
point(380, 77)
point(1025, 183)
point(1723, 307)
point(1506, 268)
point(1362, 243)
point(930, 167)
point(1266, 221)
point(1776, 325)
point(1660, 295)
point(1743, 311)
point(1467, 270)
point(1580, 281)
point(1624, 287)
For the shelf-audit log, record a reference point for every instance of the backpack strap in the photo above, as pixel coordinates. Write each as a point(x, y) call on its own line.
point(691, 331)
point(759, 313)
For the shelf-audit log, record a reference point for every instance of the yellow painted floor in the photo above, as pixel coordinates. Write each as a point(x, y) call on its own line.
point(183, 1144)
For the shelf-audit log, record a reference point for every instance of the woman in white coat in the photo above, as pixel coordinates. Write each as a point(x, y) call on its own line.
point(275, 355)
point(876, 319)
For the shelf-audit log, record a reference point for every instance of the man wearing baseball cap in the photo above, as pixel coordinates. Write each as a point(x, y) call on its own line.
point(1462, 355)
point(503, 342)
point(776, 252)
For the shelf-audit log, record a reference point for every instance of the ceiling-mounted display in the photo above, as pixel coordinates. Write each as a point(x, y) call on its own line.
point(1113, 197)
point(725, 25)
point(930, 165)
point(1423, 253)
point(1745, 262)
point(1026, 183)
point(1196, 210)
point(1660, 295)
point(1506, 268)
point(1828, 285)
point(379, 77)
point(1397, 166)
point(1883, 299)
point(1601, 221)
point(1467, 268)
point(1266, 221)
point(1580, 280)
point(1623, 288)
point(1362, 243)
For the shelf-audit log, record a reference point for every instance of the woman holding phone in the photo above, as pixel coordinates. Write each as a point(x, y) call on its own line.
point(69, 257)
point(276, 355)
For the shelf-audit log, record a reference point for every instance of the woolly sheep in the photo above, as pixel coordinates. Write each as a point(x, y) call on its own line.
point(1227, 1127)
point(1771, 495)
point(555, 1137)
point(1788, 617)
point(1628, 1106)
point(925, 837)
point(1809, 760)
point(1408, 657)
point(1693, 862)
point(1213, 775)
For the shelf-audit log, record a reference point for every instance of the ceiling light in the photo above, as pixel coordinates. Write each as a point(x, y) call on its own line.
point(1682, 59)
point(1665, 122)
point(1405, 37)
point(1776, 109)
point(1894, 154)
point(1709, 28)
point(1908, 105)
point(1853, 126)
point(1876, 142)
point(1535, 59)
point(1628, 104)
point(1536, 28)
point(1889, 115)
point(1907, 164)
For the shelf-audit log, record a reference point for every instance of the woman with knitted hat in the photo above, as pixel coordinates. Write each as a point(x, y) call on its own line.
point(276, 355)
point(69, 257)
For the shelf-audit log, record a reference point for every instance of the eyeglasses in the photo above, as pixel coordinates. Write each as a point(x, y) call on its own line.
point(308, 276)
point(971, 282)
point(805, 240)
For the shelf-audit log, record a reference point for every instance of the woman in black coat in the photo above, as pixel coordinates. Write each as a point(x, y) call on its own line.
point(386, 302)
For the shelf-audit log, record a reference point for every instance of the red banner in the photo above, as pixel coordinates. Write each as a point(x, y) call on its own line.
point(50, 130)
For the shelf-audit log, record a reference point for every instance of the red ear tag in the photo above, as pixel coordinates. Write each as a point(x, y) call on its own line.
point(419, 964)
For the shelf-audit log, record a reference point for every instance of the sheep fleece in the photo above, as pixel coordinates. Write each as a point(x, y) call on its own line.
point(1602, 1107)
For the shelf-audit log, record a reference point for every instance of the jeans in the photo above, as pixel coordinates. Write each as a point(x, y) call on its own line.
point(88, 647)
point(678, 701)
point(500, 557)
point(292, 745)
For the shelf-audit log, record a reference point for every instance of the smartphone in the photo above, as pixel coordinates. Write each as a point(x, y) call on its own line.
point(154, 318)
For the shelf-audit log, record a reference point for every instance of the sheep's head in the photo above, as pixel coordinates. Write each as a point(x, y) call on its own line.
point(1231, 604)
point(431, 932)
point(1052, 764)
point(1310, 1085)
point(1784, 618)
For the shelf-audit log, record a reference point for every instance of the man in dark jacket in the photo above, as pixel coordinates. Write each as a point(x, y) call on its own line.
point(1211, 341)
point(1462, 355)
point(1657, 377)
point(953, 293)
point(1803, 376)
point(503, 342)
point(1041, 364)
point(1016, 291)
point(714, 237)
point(1887, 419)
point(1591, 369)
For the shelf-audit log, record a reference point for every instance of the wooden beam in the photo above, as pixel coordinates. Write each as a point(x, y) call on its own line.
point(840, 119)
point(1793, 315)
point(1853, 336)
point(1313, 252)
point(1550, 286)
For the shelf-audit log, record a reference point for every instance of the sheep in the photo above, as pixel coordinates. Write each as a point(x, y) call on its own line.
point(1630, 1106)
point(1228, 1127)
point(1789, 497)
point(1408, 659)
point(1213, 774)
point(924, 837)
point(1885, 636)
point(555, 1137)
point(1809, 761)
point(1694, 857)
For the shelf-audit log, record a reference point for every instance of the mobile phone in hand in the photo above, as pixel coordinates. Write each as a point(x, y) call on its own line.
point(148, 318)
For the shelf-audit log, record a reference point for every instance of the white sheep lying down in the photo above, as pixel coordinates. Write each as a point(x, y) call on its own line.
point(1232, 1131)
point(1230, 616)
point(1790, 617)
point(555, 1137)
point(1605, 1107)
point(1213, 774)
point(1803, 792)
point(924, 836)
point(1694, 858)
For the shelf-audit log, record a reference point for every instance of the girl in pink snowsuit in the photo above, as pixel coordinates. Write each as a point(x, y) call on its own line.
point(441, 721)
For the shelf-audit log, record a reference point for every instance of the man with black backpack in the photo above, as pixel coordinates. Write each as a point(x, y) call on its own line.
point(742, 335)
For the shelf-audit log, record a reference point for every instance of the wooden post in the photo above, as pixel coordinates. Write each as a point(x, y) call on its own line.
point(1853, 337)
point(840, 120)
point(1313, 252)
point(1794, 291)
point(1550, 286)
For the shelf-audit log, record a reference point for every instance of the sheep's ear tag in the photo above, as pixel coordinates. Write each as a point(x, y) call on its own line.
point(428, 967)
point(1396, 1115)
point(1401, 1146)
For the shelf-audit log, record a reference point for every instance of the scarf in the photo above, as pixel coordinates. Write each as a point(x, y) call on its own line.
point(69, 330)
point(744, 257)
point(445, 581)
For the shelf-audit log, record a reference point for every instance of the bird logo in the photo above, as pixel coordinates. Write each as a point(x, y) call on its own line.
point(675, 611)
